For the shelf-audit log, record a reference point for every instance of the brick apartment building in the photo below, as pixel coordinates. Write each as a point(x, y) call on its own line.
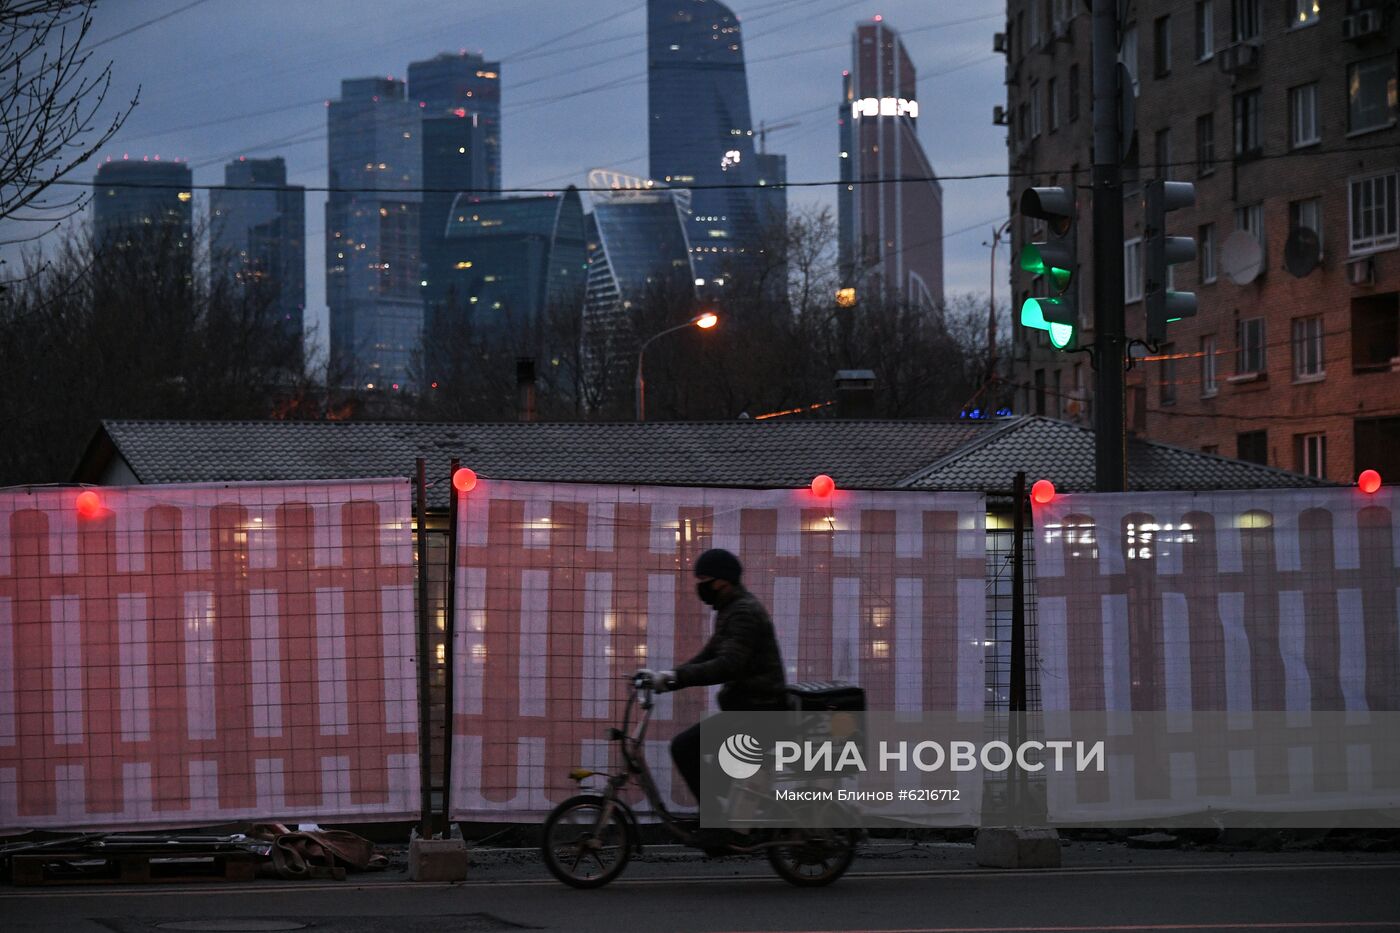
point(1283, 113)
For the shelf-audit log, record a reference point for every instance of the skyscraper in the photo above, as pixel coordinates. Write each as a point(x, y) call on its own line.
point(700, 131)
point(891, 207)
point(459, 95)
point(258, 236)
point(514, 260)
point(637, 247)
point(144, 203)
point(372, 233)
point(462, 84)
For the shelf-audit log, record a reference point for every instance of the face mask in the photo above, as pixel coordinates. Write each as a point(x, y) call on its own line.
point(705, 589)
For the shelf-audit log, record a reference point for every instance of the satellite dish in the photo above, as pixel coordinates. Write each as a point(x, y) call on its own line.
point(1302, 252)
point(1241, 257)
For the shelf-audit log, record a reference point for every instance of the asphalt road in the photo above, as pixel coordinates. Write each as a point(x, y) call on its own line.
point(1155, 892)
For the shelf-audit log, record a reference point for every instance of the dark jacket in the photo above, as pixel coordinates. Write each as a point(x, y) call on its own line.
point(743, 655)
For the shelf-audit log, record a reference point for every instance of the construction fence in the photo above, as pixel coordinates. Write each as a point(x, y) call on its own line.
point(190, 655)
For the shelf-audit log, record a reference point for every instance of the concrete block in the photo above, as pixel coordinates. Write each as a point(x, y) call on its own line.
point(1018, 847)
point(437, 860)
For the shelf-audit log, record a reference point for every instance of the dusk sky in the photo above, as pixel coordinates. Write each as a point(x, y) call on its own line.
point(251, 77)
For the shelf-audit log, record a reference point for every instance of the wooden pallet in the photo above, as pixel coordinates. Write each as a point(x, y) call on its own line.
point(132, 867)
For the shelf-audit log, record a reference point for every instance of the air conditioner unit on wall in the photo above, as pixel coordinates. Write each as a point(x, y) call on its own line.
point(1360, 24)
point(999, 42)
point(1237, 58)
point(1362, 271)
point(999, 116)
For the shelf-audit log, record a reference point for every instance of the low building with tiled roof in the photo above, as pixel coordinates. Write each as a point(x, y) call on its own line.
point(973, 455)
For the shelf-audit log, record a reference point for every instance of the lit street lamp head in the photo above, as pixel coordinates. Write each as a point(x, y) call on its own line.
point(706, 321)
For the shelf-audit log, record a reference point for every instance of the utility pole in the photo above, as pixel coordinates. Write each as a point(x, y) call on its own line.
point(1110, 339)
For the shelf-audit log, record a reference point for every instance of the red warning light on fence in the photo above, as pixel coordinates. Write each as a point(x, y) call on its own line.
point(823, 485)
point(89, 504)
point(464, 480)
point(1369, 481)
point(1042, 492)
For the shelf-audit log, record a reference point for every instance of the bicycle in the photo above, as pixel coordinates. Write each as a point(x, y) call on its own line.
point(589, 838)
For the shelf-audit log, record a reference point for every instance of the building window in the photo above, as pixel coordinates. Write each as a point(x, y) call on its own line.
point(1034, 98)
point(1205, 242)
point(1371, 94)
point(1058, 394)
point(1305, 12)
point(1209, 380)
point(1040, 391)
point(1132, 270)
point(1033, 13)
point(1073, 93)
point(1244, 20)
point(1166, 375)
point(1205, 144)
point(1162, 46)
point(1375, 332)
point(1205, 30)
point(1252, 447)
point(1162, 146)
point(1374, 209)
point(1248, 142)
point(1249, 342)
point(1310, 454)
point(1307, 348)
point(1250, 219)
point(1302, 110)
point(1052, 102)
point(1307, 214)
point(1376, 445)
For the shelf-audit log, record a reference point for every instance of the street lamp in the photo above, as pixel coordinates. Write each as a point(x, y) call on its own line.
point(705, 320)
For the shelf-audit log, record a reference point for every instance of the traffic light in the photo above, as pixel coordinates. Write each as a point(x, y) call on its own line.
point(1164, 305)
point(1055, 260)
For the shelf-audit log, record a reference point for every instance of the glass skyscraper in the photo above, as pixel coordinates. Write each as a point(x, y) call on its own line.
point(515, 260)
point(460, 96)
point(891, 207)
point(258, 236)
point(372, 233)
point(637, 247)
point(699, 128)
point(144, 202)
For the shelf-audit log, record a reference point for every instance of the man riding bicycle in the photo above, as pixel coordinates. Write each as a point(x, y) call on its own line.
point(742, 654)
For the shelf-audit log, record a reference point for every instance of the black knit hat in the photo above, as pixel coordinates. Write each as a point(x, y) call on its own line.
point(720, 564)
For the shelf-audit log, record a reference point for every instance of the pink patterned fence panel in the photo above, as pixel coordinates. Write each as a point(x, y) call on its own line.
point(202, 654)
point(1240, 602)
point(562, 590)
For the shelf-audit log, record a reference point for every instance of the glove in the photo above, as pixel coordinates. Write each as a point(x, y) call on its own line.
point(664, 681)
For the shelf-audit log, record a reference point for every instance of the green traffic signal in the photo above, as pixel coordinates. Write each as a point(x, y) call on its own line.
point(1033, 260)
point(1040, 314)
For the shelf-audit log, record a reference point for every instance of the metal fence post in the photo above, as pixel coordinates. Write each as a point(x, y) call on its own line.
point(1017, 698)
point(425, 748)
point(449, 657)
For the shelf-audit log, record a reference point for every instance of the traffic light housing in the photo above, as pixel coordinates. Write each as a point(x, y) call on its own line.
point(1163, 305)
point(1055, 260)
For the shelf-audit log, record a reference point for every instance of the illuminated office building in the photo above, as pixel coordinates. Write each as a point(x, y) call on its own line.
point(372, 234)
point(699, 128)
point(258, 237)
point(891, 205)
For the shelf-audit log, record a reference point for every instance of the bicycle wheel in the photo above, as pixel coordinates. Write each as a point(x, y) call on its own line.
point(582, 850)
point(812, 858)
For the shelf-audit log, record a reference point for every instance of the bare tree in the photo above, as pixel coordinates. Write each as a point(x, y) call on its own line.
point(51, 107)
point(132, 331)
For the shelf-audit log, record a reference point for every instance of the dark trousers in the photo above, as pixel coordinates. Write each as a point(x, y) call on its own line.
point(685, 752)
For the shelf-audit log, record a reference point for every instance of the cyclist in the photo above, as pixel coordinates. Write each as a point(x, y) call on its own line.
point(742, 654)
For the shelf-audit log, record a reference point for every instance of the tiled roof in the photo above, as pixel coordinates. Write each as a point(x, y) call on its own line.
point(964, 455)
point(858, 454)
point(1064, 454)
